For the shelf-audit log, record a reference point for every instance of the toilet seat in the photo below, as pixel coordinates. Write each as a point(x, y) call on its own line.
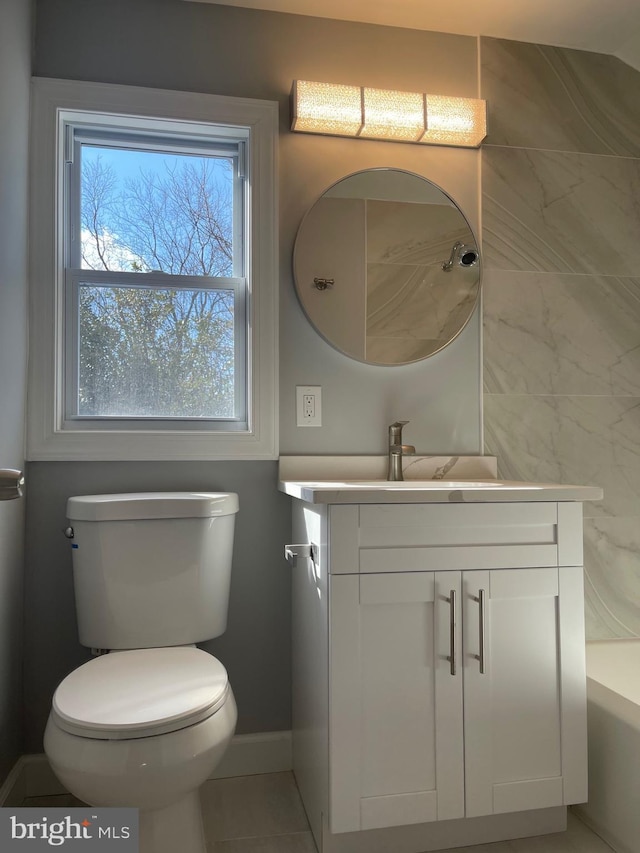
point(140, 693)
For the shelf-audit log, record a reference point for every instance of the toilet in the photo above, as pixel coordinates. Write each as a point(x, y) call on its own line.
point(144, 723)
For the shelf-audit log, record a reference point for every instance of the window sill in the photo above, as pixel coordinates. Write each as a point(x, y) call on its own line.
point(123, 446)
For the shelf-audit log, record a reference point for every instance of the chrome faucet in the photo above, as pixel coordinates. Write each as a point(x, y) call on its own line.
point(397, 450)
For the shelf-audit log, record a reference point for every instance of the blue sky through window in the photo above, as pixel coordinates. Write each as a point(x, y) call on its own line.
point(156, 210)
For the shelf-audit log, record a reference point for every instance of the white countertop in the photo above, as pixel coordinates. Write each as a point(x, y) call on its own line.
point(433, 491)
point(427, 479)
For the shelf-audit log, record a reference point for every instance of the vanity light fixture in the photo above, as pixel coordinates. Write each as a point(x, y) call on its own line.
point(338, 110)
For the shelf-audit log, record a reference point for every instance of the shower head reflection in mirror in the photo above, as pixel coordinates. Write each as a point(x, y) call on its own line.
point(465, 256)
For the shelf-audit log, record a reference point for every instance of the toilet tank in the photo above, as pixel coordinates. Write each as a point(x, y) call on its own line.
point(153, 568)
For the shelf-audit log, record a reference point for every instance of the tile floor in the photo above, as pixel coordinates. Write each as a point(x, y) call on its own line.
point(263, 814)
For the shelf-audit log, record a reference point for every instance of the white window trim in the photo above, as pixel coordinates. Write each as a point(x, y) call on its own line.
point(46, 439)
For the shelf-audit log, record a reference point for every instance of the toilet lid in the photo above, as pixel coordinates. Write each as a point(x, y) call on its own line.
point(140, 693)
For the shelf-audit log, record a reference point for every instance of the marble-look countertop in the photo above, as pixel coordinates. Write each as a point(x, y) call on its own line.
point(340, 480)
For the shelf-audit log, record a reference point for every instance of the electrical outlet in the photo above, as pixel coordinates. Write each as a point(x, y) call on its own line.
point(309, 405)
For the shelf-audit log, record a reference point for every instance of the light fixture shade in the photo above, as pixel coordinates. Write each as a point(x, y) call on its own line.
point(393, 115)
point(327, 108)
point(340, 110)
point(455, 121)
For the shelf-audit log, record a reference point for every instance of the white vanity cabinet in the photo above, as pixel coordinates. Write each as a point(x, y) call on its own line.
point(412, 741)
point(439, 668)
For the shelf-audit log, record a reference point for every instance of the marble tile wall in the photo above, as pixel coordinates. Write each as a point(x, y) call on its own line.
point(561, 244)
point(414, 308)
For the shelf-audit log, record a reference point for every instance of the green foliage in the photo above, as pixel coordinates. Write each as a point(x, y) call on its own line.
point(156, 352)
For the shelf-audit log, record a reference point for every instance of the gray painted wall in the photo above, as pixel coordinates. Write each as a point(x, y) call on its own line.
point(223, 50)
point(15, 70)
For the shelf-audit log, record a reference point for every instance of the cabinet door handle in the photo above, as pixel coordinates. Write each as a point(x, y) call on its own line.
point(482, 637)
point(452, 630)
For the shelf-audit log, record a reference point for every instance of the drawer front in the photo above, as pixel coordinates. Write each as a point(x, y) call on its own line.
point(441, 537)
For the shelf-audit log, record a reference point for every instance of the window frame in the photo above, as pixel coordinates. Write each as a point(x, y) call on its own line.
point(49, 436)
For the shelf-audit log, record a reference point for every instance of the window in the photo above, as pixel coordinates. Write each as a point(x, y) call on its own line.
point(155, 321)
point(154, 279)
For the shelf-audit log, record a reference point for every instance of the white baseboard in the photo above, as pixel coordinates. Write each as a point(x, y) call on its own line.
point(247, 755)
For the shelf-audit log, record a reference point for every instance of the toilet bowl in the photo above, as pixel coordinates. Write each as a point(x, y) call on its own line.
point(145, 727)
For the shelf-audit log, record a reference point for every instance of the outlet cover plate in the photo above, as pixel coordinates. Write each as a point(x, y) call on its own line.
point(308, 405)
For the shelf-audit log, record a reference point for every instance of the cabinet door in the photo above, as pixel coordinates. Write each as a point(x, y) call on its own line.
point(525, 744)
point(396, 744)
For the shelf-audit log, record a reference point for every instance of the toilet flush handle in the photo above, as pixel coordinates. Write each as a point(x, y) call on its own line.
point(69, 533)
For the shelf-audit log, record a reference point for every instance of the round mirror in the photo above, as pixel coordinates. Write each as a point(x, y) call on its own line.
point(386, 267)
